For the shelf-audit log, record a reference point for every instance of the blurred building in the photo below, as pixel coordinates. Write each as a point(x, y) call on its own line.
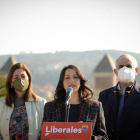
point(7, 65)
point(103, 75)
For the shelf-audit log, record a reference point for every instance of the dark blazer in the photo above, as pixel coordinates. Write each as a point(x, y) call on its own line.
point(93, 112)
point(129, 124)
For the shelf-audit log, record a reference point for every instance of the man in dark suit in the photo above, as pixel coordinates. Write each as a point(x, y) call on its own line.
point(121, 103)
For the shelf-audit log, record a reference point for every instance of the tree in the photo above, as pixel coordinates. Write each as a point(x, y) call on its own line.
point(2, 84)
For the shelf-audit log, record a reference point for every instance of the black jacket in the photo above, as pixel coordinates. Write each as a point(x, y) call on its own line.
point(129, 126)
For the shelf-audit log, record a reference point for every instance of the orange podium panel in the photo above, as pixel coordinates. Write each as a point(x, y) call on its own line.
point(66, 130)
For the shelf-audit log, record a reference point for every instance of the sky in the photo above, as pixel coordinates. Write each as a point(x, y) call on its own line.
point(41, 26)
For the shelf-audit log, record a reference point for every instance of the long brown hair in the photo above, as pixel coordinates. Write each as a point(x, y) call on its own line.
point(84, 91)
point(10, 92)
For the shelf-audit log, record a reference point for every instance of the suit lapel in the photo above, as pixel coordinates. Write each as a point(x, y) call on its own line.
point(113, 101)
point(133, 95)
point(83, 111)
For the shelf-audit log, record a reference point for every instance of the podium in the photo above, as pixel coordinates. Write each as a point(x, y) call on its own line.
point(66, 130)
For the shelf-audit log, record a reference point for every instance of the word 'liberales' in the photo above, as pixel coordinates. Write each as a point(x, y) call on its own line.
point(53, 129)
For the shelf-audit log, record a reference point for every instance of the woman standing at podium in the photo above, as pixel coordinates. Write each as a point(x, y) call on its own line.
point(82, 108)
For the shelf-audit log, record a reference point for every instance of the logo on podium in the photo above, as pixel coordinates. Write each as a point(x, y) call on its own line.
point(66, 130)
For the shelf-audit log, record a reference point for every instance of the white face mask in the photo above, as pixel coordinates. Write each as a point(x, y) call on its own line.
point(126, 75)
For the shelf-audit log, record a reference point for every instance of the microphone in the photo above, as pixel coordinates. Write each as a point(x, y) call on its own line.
point(69, 91)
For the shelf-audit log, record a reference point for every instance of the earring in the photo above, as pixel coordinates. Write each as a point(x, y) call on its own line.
point(11, 86)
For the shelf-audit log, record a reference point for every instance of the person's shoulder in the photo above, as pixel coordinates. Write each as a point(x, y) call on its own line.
point(40, 98)
point(40, 101)
point(106, 91)
point(137, 87)
point(49, 103)
point(96, 103)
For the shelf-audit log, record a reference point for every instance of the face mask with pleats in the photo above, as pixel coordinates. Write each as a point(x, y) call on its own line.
point(21, 84)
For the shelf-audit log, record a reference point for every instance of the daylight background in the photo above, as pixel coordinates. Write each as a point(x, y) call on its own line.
point(49, 34)
point(40, 26)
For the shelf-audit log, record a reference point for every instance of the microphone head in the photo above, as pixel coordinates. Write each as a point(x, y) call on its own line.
point(70, 89)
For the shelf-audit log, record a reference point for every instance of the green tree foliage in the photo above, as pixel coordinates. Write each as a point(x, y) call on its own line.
point(2, 84)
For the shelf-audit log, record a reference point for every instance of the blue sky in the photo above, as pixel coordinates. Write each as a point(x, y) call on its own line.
point(41, 26)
